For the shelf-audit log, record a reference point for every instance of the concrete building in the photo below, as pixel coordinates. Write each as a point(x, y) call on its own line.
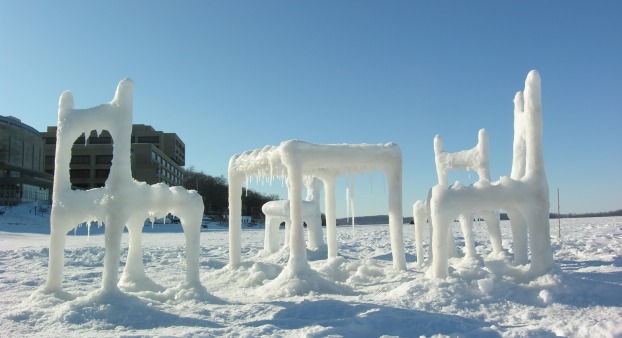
point(156, 157)
point(22, 176)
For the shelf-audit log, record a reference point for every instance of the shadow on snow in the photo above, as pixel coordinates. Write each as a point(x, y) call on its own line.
point(111, 310)
point(589, 288)
point(371, 320)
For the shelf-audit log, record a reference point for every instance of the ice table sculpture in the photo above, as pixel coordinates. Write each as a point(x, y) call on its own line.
point(524, 195)
point(295, 159)
point(279, 211)
point(122, 202)
point(477, 159)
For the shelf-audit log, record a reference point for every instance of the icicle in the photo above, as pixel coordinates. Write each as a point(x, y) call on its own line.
point(347, 202)
point(352, 185)
point(371, 183)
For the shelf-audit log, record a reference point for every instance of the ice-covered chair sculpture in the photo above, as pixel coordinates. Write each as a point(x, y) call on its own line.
point(296, 159)
point(279, 211)
point(476, 159)
point(524, 195)
point(122, 202)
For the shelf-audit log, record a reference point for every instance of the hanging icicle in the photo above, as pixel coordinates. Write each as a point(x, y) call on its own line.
point(352, 191)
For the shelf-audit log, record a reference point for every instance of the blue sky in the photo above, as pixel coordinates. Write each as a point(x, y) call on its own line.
point(231, 76)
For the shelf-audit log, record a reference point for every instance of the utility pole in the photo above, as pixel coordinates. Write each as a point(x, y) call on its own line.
point(559, 218)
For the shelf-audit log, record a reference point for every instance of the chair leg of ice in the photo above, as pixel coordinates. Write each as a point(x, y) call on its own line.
point(420, 218)
point(493, 224)
point(134, 271)
point(271, 238)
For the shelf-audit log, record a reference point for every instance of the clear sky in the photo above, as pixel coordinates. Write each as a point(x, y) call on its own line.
point(231, 76)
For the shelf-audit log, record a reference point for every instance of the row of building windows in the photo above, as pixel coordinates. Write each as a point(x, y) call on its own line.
point(10, 173)
point(167, 171)
point(94, 169)
point(103, 159)
point(80, 159)
point(156, 158)
point(167, 177)
point(79, 173)
point(21, 150)
point(147, 139)
point(86, 173)
point(83, 159)
point(22, 192)
point(108, 140)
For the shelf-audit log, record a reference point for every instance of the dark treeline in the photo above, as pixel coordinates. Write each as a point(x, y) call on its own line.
point(215, 193)
point(589, 214)
point(574, 215)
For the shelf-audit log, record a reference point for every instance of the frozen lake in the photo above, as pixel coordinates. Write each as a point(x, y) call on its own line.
point(581, 297)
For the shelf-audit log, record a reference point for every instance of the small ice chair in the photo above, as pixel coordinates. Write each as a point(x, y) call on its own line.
point(279, 211)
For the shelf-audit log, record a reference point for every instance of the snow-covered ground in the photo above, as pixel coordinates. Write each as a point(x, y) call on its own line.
point(582, 297)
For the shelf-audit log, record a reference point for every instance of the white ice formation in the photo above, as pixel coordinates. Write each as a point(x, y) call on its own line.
point(524, 195)
point(279, 211)
point(476, 159)
point(298, 159)
point(122, 202)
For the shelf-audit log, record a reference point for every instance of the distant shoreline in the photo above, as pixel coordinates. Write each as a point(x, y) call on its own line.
point(384, 219)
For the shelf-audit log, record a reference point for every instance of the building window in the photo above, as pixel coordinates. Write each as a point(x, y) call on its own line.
point(102, 173)
point(80, 159)
point(100, 140)
point(83, 186)
point(49, 160)
point(103, 159)
point(79, 173)
point(50, 140)
point(148, 139)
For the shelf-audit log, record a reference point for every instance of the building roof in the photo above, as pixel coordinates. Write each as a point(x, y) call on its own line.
point(14, 121)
